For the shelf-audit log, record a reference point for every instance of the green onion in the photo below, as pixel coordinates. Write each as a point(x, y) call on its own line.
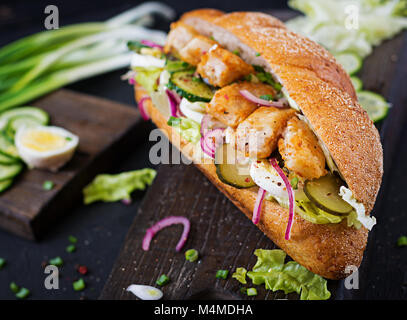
point(162, 280)
point(267, 97)
point(294, 183)
point(57, 261)
point(47, 185)
point(236, 52)
point(40, 63)
point(2, 262)
point(71, 248)
point(79, 285)
point(191, 255)
point(251, 292)
point(23, 293)
point(196, 79)
point(14, 287)
point(173, 121)
point(72, 239)
point(222, 274)
point(258, 54)
point(402, 241)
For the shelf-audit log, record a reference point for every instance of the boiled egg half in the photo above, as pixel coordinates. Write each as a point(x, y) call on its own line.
point(45, 147)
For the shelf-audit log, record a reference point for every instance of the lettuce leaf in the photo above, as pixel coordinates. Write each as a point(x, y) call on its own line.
point(240, 275)
point(290, 277)
point(308, 211)
point(109, 188)
point(147, 77)
point(187, 128)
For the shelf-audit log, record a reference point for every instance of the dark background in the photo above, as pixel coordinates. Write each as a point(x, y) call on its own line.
point(100, 227)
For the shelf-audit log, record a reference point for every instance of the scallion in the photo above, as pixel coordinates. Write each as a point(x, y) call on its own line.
point(222, 274)
point(162, 280)
point(2, 262)
point(251, 292)
point(402, 241)
point(79, 285)
point(23, 293)
point(191, 255)
point(57, 261)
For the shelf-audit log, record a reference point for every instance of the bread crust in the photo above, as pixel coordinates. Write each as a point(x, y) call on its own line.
point(325, 249)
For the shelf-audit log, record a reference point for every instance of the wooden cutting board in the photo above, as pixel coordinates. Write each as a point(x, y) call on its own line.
point(226, 239)
point(105, 129)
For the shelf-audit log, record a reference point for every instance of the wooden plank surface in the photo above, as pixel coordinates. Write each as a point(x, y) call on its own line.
point(105, 130)
point(226, 239)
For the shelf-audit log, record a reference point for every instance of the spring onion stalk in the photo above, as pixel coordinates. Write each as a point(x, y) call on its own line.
point(61, 78)
point(40, 63)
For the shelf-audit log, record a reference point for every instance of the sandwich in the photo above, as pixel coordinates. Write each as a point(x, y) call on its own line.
point(272, 120)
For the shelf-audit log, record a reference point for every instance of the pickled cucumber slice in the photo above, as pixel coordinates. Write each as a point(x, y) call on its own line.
point(324, 193)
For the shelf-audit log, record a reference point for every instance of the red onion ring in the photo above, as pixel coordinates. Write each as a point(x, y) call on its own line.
point(290, 191)
point(211, 140)
point(127, 202)
point(257, 207)
point(151, 44)
point(172, 101)
point(142, 108)
point(251, 97)
point(166, 222)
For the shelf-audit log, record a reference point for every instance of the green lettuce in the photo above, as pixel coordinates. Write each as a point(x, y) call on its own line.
point(109, 188)
point(187, 128)
point(240, 275)
point(271, 270)
point(147, 78)
point(308, 211)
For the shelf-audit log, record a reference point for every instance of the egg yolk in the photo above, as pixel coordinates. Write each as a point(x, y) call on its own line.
point(43, 141)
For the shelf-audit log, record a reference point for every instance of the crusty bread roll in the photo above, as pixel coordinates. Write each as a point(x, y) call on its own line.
point(322, 90)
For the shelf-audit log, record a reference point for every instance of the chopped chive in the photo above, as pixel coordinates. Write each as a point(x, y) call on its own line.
point(402, 241)
point(72, 239)
point(2, 262)
point(258, 54)
point(47, 185)
point(23, 293)
point(71, 248)
point(173, 121)
point(251, 292)
point(236, 52)
point(191, 255)
point(196, 79)
point(294, 183)
point(79, 285)
point(162, 280)
point(14, 287)
point(248, 77)
point(222, 274)
point(68, 138)
point(267, 97)
point(57, 261)
point(212, 38)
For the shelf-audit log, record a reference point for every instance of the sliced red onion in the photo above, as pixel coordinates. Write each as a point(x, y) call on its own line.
point(251, 97)
point(257, 207)
point(151, 44)
point(127, 202)
point(290, 191)
point(166, 222)
point(172, 101)
point(132, 81)
point(142, 108)
point(211, 140)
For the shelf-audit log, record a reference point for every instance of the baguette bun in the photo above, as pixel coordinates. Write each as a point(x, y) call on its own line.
point(323, 91)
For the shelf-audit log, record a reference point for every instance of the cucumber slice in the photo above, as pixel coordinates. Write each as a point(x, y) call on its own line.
point(6, 159)
point(20, 121)
point(324, 193)
point(231, 173)
point(9, 171)
point(34, 112)
point(357, 83)
point(7, 147)
point(190, 87)
point(5, 184)
point(375, 105)
point(349, 61)
point(177, 65)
